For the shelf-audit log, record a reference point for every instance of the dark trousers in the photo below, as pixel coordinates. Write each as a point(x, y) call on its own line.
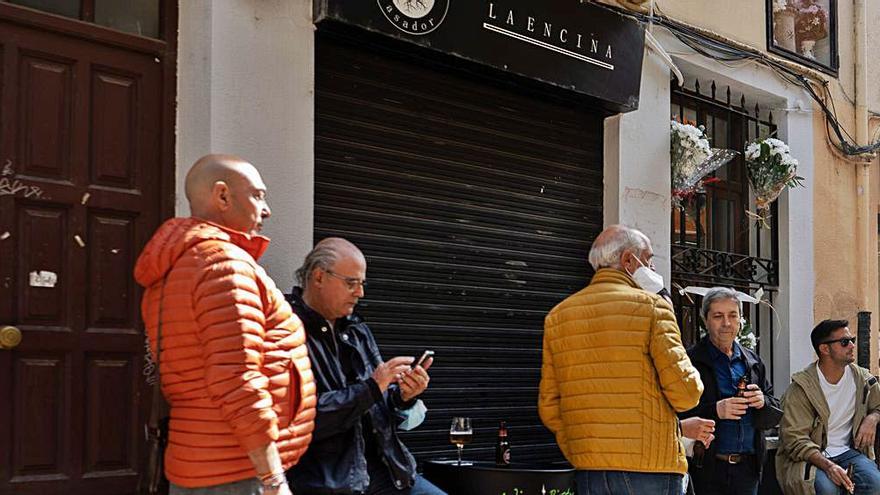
point(728, 479)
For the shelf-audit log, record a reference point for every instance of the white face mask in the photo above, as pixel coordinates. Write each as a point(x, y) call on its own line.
point(647, 279)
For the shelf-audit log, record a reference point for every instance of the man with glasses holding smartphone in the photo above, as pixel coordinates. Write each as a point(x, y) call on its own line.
point(362, 399)
point(831, 411)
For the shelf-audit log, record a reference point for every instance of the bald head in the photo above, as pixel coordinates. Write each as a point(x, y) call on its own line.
point(227, 190)
point(611, 245)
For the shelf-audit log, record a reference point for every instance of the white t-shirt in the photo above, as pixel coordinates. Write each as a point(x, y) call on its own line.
point(841, 399)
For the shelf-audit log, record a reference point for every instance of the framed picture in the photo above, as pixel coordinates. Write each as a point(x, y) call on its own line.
point(804, 31)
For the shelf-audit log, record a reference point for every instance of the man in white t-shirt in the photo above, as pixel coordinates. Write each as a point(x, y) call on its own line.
point(831, 411)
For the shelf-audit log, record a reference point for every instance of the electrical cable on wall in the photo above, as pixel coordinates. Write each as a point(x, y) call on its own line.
point(726, 53)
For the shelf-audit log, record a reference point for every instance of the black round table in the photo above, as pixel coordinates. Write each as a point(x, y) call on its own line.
point(485, 478)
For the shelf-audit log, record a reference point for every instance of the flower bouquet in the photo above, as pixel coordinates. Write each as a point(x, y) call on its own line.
point(811, 25)
point(692, 160)
point(770, 168)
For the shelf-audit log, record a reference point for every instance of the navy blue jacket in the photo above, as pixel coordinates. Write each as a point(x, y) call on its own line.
point(763, 418)
point(335, 462)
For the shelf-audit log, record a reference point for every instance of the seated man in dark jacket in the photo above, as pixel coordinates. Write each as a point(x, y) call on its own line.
point(361, 398)
point(732, 463)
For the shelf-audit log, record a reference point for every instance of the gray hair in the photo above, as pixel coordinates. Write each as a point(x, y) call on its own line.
point(719, 294)
point(611, 244)
point(324, 255)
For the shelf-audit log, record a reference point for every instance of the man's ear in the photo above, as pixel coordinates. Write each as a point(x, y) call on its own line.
point(626, 259)
point(220, 196)
point(317, 276)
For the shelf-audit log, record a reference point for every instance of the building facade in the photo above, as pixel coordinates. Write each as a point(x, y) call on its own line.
point(473, 152)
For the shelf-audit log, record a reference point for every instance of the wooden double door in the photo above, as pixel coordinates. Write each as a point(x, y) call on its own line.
point(84, 157)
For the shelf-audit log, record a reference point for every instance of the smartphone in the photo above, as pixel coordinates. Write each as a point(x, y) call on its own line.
point(425, 355)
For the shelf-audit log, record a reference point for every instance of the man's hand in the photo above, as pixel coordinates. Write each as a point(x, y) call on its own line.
point(732, 408)
point(266, 459)
point(699, 429)
point(413, 382)
point(754, 395)
point(867, 431)
point(838, 475)
point(388, 372)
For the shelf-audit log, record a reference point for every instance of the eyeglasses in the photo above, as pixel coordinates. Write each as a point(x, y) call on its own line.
point(351, 282)
point(844, 342)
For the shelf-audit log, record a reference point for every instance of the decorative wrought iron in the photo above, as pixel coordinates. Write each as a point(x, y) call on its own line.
point(706, 266)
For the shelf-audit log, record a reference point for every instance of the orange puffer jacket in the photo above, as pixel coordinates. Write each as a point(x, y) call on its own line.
point(234, 364)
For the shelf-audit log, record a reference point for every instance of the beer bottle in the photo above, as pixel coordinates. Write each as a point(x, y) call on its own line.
point(741, 385)
point(502, 447)
point(699, 453)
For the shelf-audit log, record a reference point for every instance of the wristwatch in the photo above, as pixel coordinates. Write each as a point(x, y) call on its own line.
point(274, 481)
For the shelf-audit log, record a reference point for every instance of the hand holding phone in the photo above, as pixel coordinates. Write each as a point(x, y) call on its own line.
point(415, 381)
point(421, 360)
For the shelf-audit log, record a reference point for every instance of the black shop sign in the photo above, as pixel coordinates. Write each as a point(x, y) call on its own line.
point(578, 46)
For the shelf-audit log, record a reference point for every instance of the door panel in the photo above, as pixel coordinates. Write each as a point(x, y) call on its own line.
point(39, 403)
point(42, 233)
point(81, 129)
point(110, 439)
point(113, 306)
point(114, 129)
point(45, 85)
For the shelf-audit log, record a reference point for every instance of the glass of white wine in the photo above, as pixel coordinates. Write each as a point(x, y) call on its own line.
point(460, 433)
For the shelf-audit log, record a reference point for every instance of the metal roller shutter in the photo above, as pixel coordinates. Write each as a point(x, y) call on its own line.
point(475, 206)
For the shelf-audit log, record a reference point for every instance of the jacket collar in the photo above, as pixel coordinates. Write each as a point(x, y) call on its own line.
point(614, 277)
point(312, 320)
point(254, 245)
point(701, 353)
point(177, 235)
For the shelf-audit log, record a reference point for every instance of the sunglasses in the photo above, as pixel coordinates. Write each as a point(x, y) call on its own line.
point(844, 342)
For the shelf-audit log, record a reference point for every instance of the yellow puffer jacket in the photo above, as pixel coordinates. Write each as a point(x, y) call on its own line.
point(614, 374)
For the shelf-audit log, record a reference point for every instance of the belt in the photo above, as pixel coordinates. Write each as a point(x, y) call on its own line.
point(733, 458)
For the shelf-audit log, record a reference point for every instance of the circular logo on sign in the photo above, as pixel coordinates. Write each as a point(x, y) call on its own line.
point(415, 16)
point(414, 8)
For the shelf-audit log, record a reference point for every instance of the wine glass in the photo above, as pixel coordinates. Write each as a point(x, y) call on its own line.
point(460, 433)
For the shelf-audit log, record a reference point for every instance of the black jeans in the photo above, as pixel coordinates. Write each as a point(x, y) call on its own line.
point(729, 479)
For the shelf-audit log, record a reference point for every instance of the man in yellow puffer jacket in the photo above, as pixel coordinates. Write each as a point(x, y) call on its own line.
point(615, 373)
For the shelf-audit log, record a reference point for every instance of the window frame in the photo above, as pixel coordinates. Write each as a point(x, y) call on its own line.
point(834, 66)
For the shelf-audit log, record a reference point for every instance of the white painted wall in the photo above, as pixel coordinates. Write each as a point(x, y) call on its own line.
point(246, 86)
point(637, 173)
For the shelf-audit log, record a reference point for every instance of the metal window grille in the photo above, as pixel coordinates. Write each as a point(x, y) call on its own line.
point(714, 240)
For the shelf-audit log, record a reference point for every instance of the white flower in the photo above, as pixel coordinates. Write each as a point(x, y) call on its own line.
point(753, 151)
point(790, 161)
point(748, 341)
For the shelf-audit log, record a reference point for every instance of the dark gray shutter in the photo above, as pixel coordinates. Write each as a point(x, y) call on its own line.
point(475, 206)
